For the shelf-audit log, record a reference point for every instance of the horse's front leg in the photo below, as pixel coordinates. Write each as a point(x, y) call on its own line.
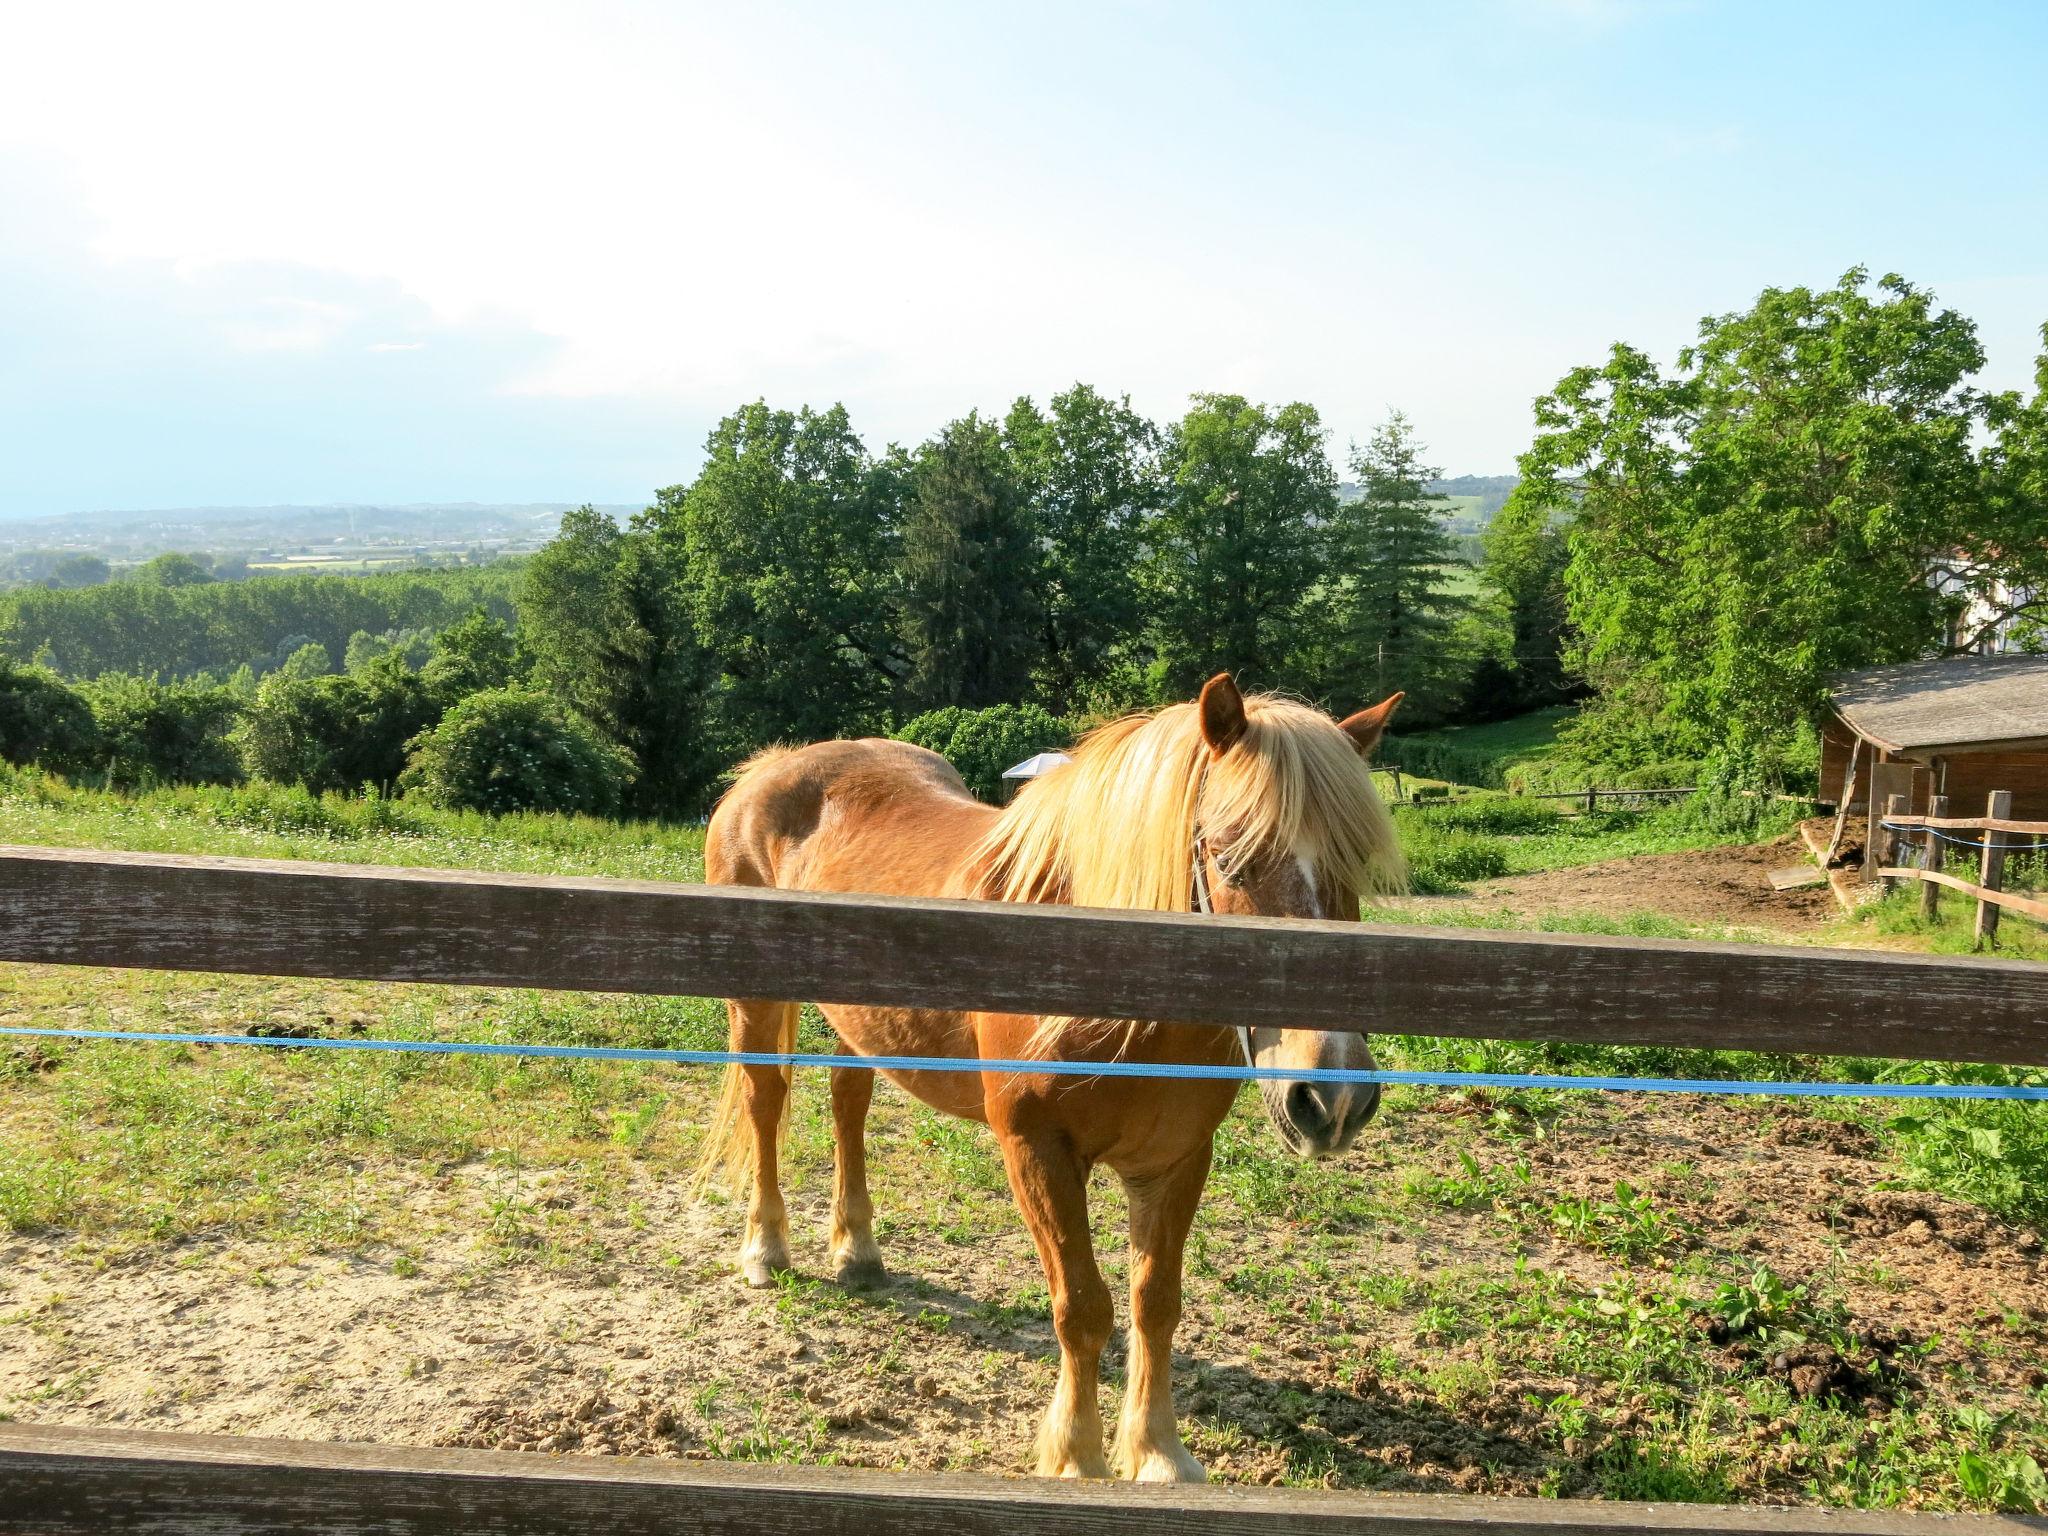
point(1163, 1205)
point(1051, 1185)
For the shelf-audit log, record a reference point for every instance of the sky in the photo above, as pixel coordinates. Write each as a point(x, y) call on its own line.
point(266, 254)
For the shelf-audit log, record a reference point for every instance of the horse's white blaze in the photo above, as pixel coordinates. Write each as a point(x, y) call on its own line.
point(1312, 898)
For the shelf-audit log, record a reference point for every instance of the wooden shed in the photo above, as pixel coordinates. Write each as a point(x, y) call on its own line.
point(1960, 726)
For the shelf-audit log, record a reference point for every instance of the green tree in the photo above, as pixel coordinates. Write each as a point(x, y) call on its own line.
point(1091, 469)
point(2003, 564)
point(982, 743)
point(605, 615)
point(1239, 544)
point(1390, 617)
point(970, 611)
point(153, 732)
point(475, 655)
point(1526, 552)
point(1766, 514)
point(512, 750)
point(75, 571)
point(171, 570)
point(42, 721)
point(307, 658)
point(788, 544)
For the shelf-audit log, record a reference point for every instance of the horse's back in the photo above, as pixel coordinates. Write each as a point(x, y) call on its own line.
point(871, 816)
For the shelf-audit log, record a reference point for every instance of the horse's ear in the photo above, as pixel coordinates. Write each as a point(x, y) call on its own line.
point(1366, 727)
point(1222, 710)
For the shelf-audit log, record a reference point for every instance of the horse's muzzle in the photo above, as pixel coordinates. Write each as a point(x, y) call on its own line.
point(1320, 1120)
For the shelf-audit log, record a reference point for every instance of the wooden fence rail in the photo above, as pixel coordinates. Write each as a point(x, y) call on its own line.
point(280, 918)
point(92, 1482)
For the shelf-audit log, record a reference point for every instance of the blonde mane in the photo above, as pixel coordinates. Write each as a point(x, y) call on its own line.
point(1116, 827)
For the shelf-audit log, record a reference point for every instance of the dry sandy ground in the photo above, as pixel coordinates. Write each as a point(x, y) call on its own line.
point(657, 1351)
point(1722, 887)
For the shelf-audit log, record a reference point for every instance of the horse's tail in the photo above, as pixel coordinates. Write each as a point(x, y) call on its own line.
point(728, 1154)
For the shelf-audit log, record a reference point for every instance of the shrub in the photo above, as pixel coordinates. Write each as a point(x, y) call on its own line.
point(152, 732)
point(1503, 815)
point(42, 720)
point(337, 732)
point(981, 743)
point(510, 750)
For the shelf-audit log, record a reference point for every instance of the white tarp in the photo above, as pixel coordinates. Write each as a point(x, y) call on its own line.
point(1032, 767)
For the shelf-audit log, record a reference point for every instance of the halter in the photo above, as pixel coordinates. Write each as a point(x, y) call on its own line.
point(1207, 908)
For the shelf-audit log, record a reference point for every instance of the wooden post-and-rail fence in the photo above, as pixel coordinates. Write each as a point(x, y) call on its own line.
point(163, 912)
point(1996, 828)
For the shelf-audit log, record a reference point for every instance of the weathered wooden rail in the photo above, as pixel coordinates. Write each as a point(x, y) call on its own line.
point(94, 1482)
point(275, 918)
point(281, 918)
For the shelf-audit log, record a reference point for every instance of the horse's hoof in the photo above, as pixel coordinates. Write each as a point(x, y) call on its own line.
point(759, 1274)
point(1166, 1466)
point(861, 1274)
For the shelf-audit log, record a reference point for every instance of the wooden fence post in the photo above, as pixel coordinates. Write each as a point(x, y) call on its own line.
point(1592, 800)
point(1930, 858)
point(1888, 838)
point(1992, 874)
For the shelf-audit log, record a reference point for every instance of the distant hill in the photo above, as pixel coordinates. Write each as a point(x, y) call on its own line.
point(1474, 498)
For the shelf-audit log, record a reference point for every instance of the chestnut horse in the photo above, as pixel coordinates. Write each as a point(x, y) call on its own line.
point(1251, 805)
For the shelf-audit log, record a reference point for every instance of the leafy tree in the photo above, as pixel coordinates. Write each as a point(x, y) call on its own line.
point(788, 542)
point(1238, 545)
point(512, 750)
point(43, 721)
point(153, 732)
point(2004, 563)
point(1392, 620)
point(171, 570)
point(970, 610)
point(1526, 552)
point(75, 571)
point(307, 659)
point(475, 655)
point(1091, 469)
point(981, 743)
point(604, 612)
point(412, 647)
point(1768, 513)
point(337, 732)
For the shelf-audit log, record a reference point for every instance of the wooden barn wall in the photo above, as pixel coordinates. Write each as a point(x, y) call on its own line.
point(1973, 775)
point(1835, 741)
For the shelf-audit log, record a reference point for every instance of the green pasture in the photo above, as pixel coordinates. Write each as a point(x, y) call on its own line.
point(1583, 1370)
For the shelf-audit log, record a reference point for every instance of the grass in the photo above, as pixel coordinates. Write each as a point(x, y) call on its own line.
point(1481, 755)
point(1488, 1287)
point(262, 820)
point(1491, 836)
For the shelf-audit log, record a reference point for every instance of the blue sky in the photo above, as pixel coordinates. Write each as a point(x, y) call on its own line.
point(264, 254)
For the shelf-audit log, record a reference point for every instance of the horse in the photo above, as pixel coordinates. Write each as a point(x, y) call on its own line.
point(1233, 804)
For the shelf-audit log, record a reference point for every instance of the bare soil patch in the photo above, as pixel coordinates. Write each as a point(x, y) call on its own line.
point(1727, 887)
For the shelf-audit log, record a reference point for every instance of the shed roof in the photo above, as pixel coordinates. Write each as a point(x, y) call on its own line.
point(1951, 702)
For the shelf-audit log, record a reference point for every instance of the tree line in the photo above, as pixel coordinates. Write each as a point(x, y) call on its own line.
point(1060, 564)
point(1817, 485)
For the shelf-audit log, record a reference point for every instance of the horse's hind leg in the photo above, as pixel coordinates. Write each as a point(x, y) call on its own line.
point(856, 1258)
point(764, 1097)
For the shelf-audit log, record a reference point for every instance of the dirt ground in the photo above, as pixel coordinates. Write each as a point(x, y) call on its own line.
point(1724, 887)
point(1351, 1363)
